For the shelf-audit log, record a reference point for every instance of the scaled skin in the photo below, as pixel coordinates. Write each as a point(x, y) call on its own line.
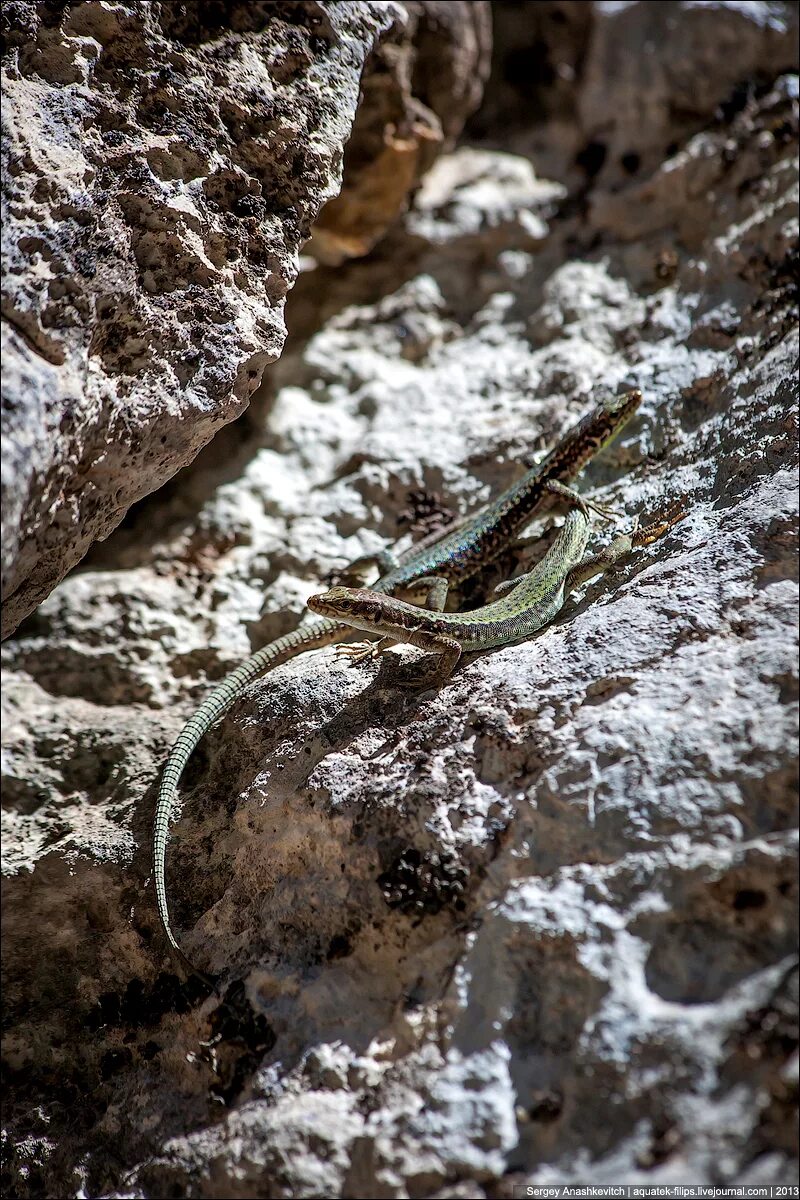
point(426, 569)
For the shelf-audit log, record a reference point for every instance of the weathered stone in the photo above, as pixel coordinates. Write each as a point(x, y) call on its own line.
point(163, 165)
point(538, 926)
point(421, 85)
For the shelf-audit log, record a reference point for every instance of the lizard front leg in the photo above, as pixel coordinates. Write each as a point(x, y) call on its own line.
point(358, 652)
point(447, 650)
point(432, 589)
point(355, 573)
point(585, 506)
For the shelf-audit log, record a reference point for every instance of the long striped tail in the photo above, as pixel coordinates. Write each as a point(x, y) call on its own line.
point(309, 637)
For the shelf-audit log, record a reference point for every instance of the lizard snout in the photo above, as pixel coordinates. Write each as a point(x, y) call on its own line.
point(336, 602)
point(320, 604)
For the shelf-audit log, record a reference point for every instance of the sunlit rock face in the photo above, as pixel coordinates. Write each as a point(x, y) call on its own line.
point(539, 925)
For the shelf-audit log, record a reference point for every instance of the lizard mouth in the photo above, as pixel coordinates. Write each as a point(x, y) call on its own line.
point(323, 608)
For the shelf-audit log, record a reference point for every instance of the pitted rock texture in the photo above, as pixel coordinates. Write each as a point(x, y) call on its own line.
point(163, 165)
point(540, 925)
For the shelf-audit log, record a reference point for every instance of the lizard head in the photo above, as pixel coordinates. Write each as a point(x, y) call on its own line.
point(354, 606)
point(595, 431)
point(610, 417)
point(621, 408)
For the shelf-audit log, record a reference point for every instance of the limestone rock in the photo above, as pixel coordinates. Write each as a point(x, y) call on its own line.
point(163, 165)
point(421, 85)
point(540, 925)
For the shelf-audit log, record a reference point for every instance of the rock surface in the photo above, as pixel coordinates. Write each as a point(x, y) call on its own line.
point(422, 83)
point(539, 925)
point(163, 164)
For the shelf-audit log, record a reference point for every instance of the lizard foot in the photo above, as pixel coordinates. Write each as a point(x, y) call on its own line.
point(357, 652)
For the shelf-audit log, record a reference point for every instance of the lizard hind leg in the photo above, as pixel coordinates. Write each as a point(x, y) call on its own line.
point(507, 585)
point(675, 511)
point(622, 545)
point(597, 564)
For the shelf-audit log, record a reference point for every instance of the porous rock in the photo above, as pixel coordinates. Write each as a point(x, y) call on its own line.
point(424, 80)
point(536, 926)
point(163, 164)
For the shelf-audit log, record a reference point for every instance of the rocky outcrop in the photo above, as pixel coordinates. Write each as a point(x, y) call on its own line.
point(164, 165)
point(538, 926)
point(422, 84)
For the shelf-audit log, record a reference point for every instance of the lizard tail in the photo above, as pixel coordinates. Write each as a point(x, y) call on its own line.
point(318, 633)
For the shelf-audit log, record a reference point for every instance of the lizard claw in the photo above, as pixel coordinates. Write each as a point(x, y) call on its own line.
point(604, 510)
point(357, 652)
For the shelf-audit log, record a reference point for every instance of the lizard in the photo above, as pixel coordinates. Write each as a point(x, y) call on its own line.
point(522, 607)
point(532, 602)
point(426, 570)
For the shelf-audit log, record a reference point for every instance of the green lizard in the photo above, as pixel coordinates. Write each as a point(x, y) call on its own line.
point(534, 600)
point(525, 604)
point(425, 571)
